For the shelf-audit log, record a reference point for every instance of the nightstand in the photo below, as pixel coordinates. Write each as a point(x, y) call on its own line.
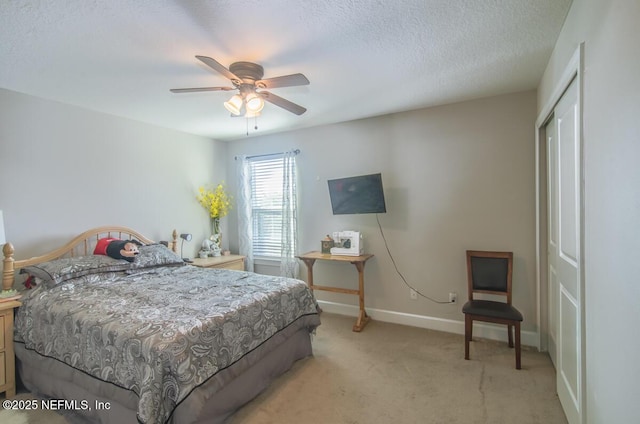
point(7, 358)
point(227, 262)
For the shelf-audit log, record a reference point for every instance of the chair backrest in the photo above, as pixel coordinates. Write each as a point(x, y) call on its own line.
point(489, 272)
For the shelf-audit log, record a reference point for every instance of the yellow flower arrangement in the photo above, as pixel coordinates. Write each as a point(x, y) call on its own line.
point(217, 202)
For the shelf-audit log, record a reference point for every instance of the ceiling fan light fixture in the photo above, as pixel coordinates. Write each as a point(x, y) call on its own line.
point(247, 78)
point(254, 103)
point(234, 104)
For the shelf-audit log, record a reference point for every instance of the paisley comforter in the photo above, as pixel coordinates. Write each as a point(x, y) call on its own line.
point(159, 332)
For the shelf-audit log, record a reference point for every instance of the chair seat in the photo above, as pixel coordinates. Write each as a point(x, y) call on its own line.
point(492, 309)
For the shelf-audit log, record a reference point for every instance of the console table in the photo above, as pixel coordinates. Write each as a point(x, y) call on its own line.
point(310, 258)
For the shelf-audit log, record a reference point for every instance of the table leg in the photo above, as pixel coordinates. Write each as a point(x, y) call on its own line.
point(309, 263)
point(363, 318)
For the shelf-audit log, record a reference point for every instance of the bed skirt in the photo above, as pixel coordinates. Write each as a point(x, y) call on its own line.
point(212, 402)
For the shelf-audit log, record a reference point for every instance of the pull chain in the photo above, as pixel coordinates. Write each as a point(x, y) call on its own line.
point(255, 123)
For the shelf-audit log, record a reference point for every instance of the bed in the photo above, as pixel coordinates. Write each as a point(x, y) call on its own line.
point(154, 340)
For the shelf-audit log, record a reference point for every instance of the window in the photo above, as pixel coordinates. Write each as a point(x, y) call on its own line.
point(268, 190)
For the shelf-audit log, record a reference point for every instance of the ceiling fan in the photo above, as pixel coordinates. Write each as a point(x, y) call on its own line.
point(247, 78)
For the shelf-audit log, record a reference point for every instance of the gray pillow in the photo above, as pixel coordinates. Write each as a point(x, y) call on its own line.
point(154, 255)
point(63, 269)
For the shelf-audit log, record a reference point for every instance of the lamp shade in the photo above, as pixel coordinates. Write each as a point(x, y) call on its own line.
point(3, 240)
point(186, 237)
point(254, 102)
point(234, 104)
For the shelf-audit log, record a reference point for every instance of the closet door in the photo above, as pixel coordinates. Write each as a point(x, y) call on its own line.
point(552, 237)
point(566, 344)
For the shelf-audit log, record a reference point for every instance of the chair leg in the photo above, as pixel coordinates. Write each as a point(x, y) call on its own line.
point(510, 329)
point(518, 364)
point(468, 329)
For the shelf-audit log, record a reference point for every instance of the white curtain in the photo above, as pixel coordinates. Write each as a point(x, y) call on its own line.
point(289, 236)
point(243, 202)
point(289, 264)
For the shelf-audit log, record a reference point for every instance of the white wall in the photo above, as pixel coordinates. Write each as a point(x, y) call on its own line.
point(66, 169)
point(456, 177)
point(611, 137)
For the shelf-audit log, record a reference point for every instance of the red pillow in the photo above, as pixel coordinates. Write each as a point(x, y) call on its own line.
point(101, 246)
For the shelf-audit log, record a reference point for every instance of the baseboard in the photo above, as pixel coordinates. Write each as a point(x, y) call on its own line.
point(482, 330)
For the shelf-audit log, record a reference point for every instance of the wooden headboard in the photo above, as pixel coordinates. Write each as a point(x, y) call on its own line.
point(80, 245)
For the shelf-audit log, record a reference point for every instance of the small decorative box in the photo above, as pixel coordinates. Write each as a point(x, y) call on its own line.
point(326, 244)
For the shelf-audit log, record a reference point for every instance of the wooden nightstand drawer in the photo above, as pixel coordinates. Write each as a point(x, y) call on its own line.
point(2, 335)
point(7, 359)
point(238, 265)
point(3, 369)
point(228, 262)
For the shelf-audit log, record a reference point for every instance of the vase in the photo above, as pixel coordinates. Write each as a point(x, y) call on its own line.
point(216, 235)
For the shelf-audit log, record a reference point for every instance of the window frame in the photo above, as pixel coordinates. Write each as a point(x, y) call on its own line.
point(265, 208)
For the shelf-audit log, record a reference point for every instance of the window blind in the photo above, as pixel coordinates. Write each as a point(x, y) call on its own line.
point(266, 203)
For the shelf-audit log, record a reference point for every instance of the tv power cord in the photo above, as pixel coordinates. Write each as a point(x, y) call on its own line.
point(400, 274)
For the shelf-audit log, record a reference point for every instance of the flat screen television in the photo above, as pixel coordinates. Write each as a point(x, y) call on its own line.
point(361, 194)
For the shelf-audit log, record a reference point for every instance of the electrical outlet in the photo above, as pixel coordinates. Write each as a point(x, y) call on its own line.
point(413, 294)
point(453, 297)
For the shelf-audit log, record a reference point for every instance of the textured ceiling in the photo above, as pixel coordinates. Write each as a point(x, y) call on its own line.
point(363, 57)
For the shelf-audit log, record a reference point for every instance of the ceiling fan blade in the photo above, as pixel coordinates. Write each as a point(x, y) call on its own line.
point(215, 65)
point(283, 81)
point(193, 90)
point(283, 103)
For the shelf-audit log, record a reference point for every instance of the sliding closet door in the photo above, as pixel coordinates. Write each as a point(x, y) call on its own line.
point(552, 236)
point(564, 252)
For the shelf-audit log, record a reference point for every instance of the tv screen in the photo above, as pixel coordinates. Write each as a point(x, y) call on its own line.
point(361, 194)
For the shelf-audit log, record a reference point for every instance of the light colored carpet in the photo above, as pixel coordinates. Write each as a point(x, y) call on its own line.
point(30, 417)
point(390, 373)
